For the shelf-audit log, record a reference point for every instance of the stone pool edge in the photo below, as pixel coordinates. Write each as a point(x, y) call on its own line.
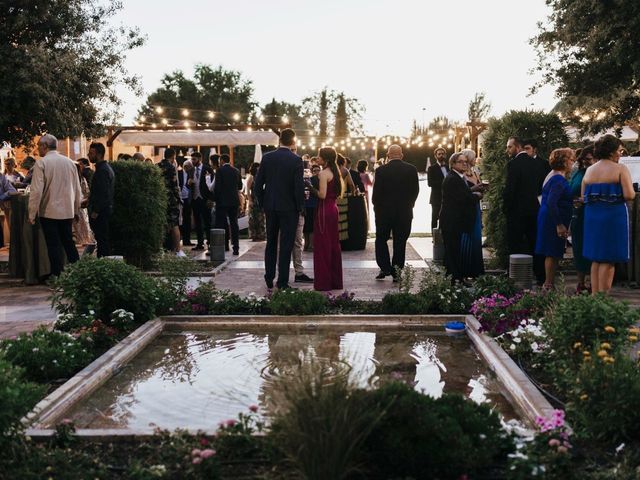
point(527, 400)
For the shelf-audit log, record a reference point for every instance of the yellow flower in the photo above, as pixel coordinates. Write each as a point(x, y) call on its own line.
point(605, 345)
point(633, 338)
point(586, 353)
point(586, 359)
point(602, 353)
point(634, 330)
point(577, 345)
point(584, 396)
point(609, 359)
point(609, 329)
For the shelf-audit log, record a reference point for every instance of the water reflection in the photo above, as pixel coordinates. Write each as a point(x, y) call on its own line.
point(198, 379)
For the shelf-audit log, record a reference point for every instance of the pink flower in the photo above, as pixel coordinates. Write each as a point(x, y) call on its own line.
point(554, 442)
point(562, 449)
point(196, 452)
point(204, 442)
point(209, 452)
point(253, 408)
point(66, 421)
point(196, 460)
point(231, 422)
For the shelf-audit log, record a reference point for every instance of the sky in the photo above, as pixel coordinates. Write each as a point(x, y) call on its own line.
point(403, 59)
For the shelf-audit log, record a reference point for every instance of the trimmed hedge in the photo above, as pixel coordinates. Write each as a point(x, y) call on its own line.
point(137, 226)
point(547, 129)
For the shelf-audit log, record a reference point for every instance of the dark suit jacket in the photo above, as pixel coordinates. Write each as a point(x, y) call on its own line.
point(525, 176)
point(395, 188)
point(279, 185)
point(102, 189)
point(458, 211)
point(435, 178)
point(228, 182)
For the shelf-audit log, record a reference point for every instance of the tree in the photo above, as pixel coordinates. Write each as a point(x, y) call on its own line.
point(588, 49)
point(546, 128)
point(60, 66)
point(213, 95)
point(316, 109)
point(276, 112)
point(479, 107)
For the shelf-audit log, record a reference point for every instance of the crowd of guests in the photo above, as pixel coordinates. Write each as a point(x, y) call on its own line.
point(545, 203)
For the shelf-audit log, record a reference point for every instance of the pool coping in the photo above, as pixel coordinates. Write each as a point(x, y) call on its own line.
point(526, 399)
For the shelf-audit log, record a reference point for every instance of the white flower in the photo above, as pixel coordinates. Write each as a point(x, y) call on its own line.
point(535, 347)
point(92, 312)
point(35, 349)
point(620, 447)
point(517, 339)
point(513, 346)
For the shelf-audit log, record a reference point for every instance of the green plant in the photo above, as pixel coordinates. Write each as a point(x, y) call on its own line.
point(236, 439)
point(487, 285)
point(404, 303)
point(97, 287)
point(298, 302)
point(172, 284)
point(603, 399)
point(582, 323)
point(422, 437)
point(406, 277)
point(441, 295)
point(547, 129)
point(138, 223)
point(17, 397)
point(45, 355)
point(320, 421)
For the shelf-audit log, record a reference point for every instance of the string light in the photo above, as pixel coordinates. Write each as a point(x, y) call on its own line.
point(236, 116)
point(159, 110)
point(185, 112)
point(212, 115)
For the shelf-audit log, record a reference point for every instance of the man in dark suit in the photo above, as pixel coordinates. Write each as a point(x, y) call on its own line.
point(457, 215)
point(436, 174)
point(184, 175)
point(523, 185)
point(201, 198)
point(395, 190)
point(225, 192)
point(279, 190)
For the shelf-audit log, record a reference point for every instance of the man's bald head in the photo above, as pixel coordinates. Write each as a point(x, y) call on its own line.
point(394, 152)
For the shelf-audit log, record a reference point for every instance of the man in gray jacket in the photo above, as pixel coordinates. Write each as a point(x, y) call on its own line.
point(55, 198)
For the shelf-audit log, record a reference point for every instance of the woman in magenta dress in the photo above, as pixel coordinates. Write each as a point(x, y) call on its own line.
point(327, 256)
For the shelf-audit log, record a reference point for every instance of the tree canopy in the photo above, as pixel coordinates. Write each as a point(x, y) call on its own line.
point(347, 118)
point(213, 95)
point(588, 49)
point(59, 67)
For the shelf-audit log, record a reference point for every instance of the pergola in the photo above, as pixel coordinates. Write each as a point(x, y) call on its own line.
point(212, 135)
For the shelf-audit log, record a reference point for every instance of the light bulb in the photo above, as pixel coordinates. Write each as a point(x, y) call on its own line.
point(185, 112)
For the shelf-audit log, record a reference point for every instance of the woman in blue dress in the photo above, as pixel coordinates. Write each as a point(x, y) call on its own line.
point(471, 243)
point(582, 264)
point(605, 188)
point(554, 215)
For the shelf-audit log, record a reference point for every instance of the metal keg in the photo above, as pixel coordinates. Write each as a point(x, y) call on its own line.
point(216, 245)
point(521, 270)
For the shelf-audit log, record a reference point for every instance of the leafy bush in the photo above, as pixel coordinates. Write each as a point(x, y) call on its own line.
point(422, 437)
point(172, 284)
point(547, 129)
point(206, 299)
point(298, 302)
point(603, 399)
point(440, 295)
point(99, 286)
point(404, 303)
point(582, 323)
point(487, 285)
point(138, 224)
point(17, 397)
point(45, 355)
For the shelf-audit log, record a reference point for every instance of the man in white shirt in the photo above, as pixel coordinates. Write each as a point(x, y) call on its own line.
point(55, 198)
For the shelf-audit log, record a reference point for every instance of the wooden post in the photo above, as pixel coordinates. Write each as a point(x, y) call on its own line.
point(110, 144)
point(231, 155)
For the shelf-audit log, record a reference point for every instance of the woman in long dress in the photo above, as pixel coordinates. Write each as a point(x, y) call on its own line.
point(257, 225)
point(81, 231)
point(583, 265)
point(605, 188)
point(471, 243)
point(327, 255)
point(554, 215)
